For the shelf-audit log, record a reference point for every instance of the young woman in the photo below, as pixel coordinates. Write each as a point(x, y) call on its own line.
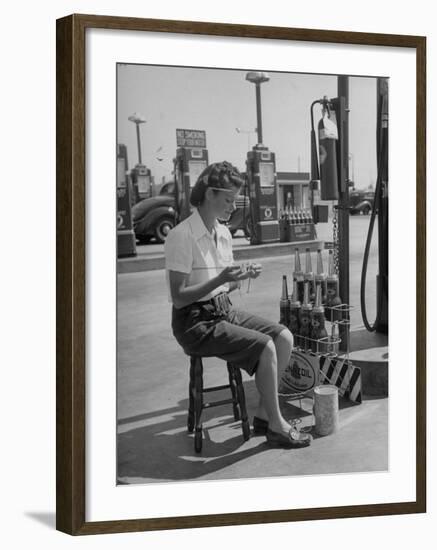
point(200, 274)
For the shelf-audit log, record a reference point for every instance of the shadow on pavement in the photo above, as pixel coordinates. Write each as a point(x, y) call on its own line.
point(164, 450)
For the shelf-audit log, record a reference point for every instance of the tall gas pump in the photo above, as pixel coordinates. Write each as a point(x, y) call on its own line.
point(126, 244)
point(261, 178)
point(191, 159)
point(141, 177)
point(330, 170)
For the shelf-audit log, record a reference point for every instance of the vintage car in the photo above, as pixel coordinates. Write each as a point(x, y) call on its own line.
point(361, 201)
point(154, 217)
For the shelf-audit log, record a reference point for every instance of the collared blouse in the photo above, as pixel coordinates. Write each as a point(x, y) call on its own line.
point(191, 248)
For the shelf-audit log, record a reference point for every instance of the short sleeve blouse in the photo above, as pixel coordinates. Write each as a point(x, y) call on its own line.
point(191, 248)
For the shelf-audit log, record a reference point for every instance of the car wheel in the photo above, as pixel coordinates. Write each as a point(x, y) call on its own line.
point(366, 210)
point(162, 228)
point(233, 231)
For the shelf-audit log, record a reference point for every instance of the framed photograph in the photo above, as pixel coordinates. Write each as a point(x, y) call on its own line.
point(163, 279)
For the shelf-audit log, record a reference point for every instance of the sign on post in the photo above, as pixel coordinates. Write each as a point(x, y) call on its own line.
point(191, 138)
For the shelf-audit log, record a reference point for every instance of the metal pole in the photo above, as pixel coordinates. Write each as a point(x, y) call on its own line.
point(138, 143)
point(259, 128)
point(343, 200)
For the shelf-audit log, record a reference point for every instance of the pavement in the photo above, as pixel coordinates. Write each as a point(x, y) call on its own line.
point(151, 256)
point(152, 398)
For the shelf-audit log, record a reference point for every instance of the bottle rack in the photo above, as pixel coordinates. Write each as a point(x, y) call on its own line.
point(337, 316)
point(328, 347)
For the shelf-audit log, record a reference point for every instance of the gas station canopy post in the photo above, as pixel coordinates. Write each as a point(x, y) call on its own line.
point(258, 78)
point(138, 119)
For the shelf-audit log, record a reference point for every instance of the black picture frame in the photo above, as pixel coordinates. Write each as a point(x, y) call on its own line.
point(71, 253)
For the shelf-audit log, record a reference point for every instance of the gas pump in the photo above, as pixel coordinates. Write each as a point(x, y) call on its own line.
point(261, 179)
point(142, 182)
point(330, 171)
point(191, 159)
point(126, 245)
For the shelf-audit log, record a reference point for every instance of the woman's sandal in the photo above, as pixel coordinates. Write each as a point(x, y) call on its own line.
point(295, 439)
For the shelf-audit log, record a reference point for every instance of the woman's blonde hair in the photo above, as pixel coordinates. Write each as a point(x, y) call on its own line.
point(220, 175)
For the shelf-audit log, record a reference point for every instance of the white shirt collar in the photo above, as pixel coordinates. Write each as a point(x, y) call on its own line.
point(199, 228)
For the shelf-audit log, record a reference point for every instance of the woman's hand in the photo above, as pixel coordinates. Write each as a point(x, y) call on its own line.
point(235, 273)
point(232, 273)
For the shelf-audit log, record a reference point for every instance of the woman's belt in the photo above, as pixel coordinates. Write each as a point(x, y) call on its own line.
point(220, 302)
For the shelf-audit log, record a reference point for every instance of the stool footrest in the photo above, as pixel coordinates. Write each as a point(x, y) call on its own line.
point(217, 403)
point(216, 388)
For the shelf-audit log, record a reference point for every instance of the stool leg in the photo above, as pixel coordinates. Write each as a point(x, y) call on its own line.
point(233, 385)
point(242, 403)
point(190, 421)
point(198, 402)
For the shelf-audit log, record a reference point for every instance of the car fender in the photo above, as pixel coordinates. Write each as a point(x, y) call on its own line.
point(154, 215)
point(363, 204)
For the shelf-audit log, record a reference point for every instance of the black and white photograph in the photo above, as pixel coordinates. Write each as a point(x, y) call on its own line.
point(252, 273)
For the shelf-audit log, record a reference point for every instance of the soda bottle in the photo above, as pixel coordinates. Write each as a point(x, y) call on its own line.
point(305, 319)
point(300, 216)
point(296, 216)
point(318, 329)
point(308, 276)
point(332, 289)
point(320, 276)
point(298, 275)
point(293, 325)
point(284, 304)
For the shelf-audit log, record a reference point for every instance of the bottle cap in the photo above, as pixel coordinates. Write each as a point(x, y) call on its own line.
point(308, 265)
point(297, 266)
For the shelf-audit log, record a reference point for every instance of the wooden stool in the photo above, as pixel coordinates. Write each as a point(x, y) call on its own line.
point(196, 403)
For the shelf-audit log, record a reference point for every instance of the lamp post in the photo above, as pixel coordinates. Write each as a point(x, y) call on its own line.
point(257, 79)
point(248, 132)
point(138, 119)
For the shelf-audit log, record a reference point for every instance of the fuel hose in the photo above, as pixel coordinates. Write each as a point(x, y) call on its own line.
point(377, 210)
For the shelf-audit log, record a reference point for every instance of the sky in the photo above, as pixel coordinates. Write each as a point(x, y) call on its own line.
point(220, 100)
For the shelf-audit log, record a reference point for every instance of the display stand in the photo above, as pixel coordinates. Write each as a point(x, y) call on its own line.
point(335, 367)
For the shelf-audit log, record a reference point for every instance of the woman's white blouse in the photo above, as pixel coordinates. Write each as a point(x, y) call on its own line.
point(191, 248)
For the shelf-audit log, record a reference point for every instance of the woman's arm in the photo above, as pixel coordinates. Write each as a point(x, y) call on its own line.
point(183, 295)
